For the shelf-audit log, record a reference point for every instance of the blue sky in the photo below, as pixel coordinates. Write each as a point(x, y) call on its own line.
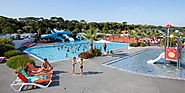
point(156, 12)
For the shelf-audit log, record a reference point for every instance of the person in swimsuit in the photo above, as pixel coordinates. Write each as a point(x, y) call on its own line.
point(45, 66)
point(66, 54)
point(73, 65)
point(81, 66)
point(67, 49)
point(104, 47)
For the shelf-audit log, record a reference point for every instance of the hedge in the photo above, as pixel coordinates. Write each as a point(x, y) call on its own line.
point(96, 52)
point(19, 62)
point(137, 44)
point(6, 41)
point(85, 55)
point(12, 53)
point(4, 48)
point(133, 44)
point(142, 44)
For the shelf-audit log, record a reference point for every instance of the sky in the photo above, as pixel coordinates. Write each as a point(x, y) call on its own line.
point(151, 12)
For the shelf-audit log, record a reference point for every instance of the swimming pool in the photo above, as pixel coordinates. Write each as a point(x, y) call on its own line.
point(137, 63)
point(57, 51)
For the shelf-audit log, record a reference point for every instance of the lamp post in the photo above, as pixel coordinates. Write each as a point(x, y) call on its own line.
point(168, 26)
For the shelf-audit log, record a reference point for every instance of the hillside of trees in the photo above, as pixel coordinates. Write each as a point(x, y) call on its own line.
point(34, 24)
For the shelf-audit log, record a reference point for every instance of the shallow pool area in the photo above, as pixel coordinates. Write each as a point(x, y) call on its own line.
point(55, 52)
point(137, 63)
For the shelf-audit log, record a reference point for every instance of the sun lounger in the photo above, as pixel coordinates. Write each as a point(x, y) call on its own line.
point(2, 59)
point(23, 81)
point(28, 44)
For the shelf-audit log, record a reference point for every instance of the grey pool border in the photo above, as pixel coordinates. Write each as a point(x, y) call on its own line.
point(33, 55)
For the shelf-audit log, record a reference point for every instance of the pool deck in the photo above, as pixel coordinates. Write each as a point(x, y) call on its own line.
point(97, 78)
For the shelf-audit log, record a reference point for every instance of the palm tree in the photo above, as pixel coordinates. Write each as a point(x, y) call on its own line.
point(112, 32)
point(91, 35)
point(136, 34)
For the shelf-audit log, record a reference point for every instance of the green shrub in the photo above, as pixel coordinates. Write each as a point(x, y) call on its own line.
point(137, 44)
point(4, 48)
point(18, 37)
point(12, 53)
point(85, 55)
point(96, 52)
point(20, 31)
point(19, 62)
point(133, 44)
point(6, 41)
point(100, 36)
point(142, 44)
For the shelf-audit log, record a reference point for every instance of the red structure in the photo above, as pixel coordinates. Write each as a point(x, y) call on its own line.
point(168, 26)
point(172, 54)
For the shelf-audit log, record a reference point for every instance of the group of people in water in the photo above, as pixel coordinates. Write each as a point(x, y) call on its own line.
point(45, 66)
point(73, 48)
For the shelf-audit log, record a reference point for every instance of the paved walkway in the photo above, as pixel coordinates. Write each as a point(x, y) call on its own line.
point(97, 78)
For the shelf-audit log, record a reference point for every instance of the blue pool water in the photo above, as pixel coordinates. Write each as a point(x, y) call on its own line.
point(57, 52)
point(137, 63)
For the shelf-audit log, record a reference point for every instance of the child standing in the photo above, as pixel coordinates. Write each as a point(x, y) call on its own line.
point(81, 66)
point(73, 65)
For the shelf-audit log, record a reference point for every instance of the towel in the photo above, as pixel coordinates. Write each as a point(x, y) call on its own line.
point(45, 77)
point(33, 79)
point(24, 73)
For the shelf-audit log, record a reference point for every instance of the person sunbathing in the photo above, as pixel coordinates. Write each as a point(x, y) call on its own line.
point(35, 71)
point(45, 66)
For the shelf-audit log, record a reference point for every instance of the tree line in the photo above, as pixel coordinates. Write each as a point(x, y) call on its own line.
point(43, 25)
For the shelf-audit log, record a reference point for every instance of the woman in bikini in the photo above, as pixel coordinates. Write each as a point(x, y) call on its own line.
point(104, 47)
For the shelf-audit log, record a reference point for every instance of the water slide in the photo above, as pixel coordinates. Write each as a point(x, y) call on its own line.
point(48, 35)
point(54, 35)
point(79, 36)
point(70, 39)
point(162, 55)
point(60, 38)
point(66, 34)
